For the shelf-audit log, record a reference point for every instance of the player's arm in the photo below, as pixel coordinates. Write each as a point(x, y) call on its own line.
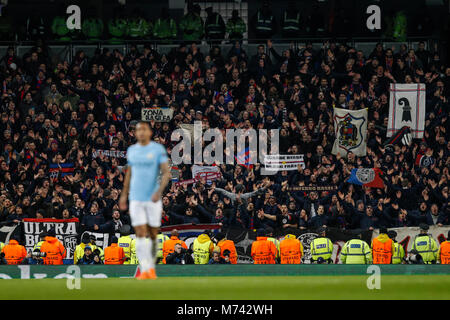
point(125, 190)
point(165, 178)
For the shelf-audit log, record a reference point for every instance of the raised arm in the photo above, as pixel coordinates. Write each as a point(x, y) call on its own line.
point(165, 178)
point(125, 190)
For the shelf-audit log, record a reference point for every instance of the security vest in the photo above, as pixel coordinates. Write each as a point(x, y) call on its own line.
point(228, 245)
point(263, 24)
point(129, 249)
point(38, 245)
point(263, 251)
point(321, 248)
point(59, 28)
point(114, 254)
point(214, 28)
point(2, 245)
point(291, 251)
point(382, 251)
point(356, 251)
point(160, 239)
point(192, 26)
point(36, 27)
point(169, 246)
point(444, 252)
point(400, 26)
point(201, 252)
point(117, 28)
point(79, 251)
point(426, 247)
point(92, 28)
point(236, 28)
point(55, 251)
point(277, 245)
point(138, 28)
point(399, 253)
point(165, 28)
point(14, 252)
point(291, 24)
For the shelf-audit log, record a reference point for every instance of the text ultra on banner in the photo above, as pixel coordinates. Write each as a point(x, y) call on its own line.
point(65, 229)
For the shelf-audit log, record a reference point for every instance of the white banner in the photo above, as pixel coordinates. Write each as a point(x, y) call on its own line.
point(65, 229)
point(406, 235)
point(199, 172)
point(101, 239)
point(278, 162)
point(109, 153)
point(157, 114)
point(350, 128)
point(407, 108)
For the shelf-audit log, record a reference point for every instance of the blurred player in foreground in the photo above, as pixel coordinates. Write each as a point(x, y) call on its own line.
point(145, 159)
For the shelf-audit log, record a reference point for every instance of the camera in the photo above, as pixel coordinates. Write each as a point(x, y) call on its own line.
point(37, 255)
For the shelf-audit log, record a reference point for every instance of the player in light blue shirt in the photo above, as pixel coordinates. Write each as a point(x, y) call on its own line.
point(145, 160)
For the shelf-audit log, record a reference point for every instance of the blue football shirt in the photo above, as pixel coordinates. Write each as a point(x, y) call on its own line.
point(144, 162)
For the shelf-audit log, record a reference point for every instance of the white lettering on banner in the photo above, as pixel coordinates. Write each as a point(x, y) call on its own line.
point(200, 171)
point(278, 162)
point(157, 114)
point(66, 232)
point(109, 153)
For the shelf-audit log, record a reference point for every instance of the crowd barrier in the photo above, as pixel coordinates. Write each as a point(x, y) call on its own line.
point(129, 271)
point(67, 51)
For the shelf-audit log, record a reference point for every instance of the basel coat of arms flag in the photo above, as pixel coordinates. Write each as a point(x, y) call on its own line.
point(350, 128)
point(407, 108)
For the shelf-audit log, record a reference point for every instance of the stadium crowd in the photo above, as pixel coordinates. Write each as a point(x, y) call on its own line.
point(56, 115)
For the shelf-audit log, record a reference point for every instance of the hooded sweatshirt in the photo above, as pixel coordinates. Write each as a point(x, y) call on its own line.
point(54, 249)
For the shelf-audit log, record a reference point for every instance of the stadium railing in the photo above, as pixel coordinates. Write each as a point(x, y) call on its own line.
point(67, 51)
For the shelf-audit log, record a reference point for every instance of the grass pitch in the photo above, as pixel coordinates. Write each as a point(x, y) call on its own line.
point(233, 288)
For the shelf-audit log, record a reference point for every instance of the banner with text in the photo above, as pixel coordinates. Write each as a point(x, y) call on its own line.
point(157, 114)
point(279, 162)
point(109, 153)
point(66, 231)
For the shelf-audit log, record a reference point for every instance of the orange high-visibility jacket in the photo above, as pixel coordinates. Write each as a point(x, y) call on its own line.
point(228, 245)
point(169, 246)
point(114, 254)
point(291, 251)
point(444, 252)
point(14, 252)
point(382, 249)
point(263, 251)
point(54, 249)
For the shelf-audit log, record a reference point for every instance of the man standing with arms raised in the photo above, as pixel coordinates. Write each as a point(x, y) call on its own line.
point(145, 159)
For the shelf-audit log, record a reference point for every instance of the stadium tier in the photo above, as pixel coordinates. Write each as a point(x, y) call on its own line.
point(297, 142)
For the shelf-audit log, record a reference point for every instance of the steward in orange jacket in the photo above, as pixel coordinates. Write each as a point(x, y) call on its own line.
point(263, 250)
point(291, 250)
point(14, 252)
point(382, 248)
point(225, 244)
point(54, 249)
point(114, 254)
point(169, 245)
point(444, 251)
